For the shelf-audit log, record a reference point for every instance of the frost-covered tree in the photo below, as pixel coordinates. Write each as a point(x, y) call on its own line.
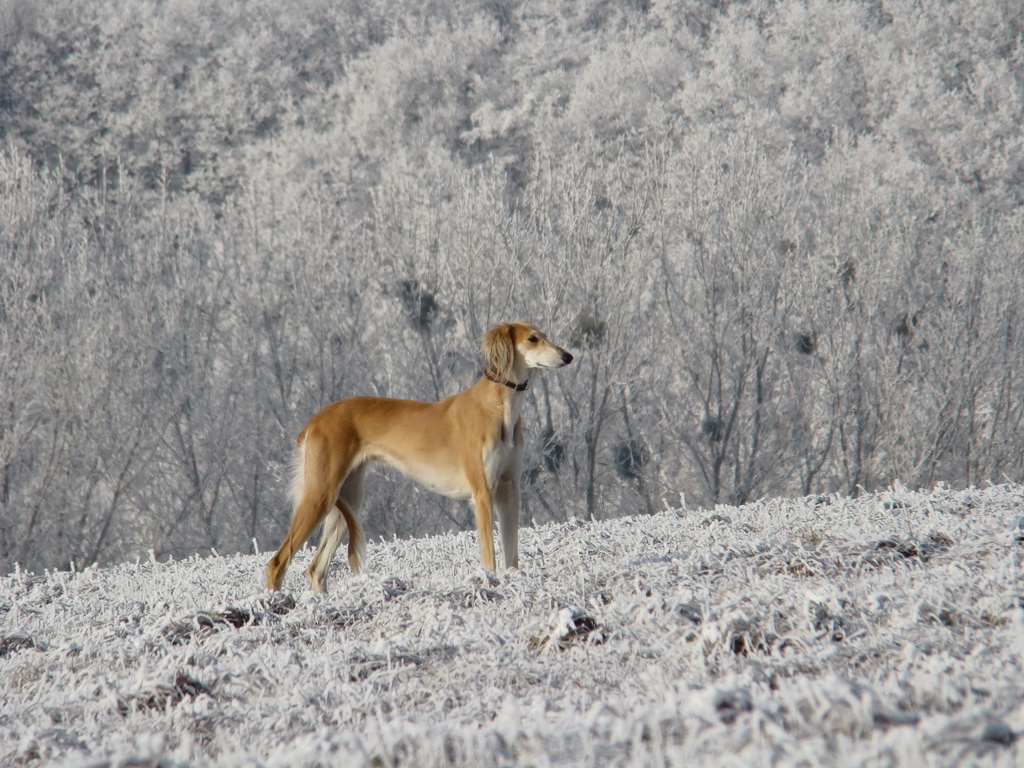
point(783, 237)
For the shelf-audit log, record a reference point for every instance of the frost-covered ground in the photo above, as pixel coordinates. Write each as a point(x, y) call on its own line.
point(886, 630)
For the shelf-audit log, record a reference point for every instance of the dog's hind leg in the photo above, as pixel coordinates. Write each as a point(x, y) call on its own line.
point(320, 479)
point(334, 531)
point(342, 517)
point(350, 499)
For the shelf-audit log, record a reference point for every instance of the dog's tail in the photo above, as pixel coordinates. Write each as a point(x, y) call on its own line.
point(306, 452)
point(297, 471)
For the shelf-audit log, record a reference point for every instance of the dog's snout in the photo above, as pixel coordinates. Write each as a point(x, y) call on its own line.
point(566, 358)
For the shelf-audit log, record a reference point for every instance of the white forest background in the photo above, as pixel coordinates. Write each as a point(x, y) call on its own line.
point(783, 238)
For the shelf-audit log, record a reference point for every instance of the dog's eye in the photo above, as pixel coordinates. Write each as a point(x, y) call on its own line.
point(532, 339)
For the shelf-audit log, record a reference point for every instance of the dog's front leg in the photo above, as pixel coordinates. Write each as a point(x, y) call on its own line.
point(484, 524)
point(506, 501)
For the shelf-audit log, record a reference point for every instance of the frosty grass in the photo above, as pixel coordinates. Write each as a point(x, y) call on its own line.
point(883, 630)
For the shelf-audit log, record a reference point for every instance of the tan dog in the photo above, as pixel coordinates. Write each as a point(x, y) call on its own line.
point(467, 446)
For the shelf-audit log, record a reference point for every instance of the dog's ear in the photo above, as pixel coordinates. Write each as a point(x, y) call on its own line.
point(498, 346)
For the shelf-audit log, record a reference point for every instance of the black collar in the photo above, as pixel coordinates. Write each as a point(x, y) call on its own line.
point(510, 384)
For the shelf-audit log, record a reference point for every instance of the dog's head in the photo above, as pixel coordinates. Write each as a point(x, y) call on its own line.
point(520, 345)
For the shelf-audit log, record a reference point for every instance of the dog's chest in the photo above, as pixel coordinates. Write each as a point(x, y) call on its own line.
point(500, 453)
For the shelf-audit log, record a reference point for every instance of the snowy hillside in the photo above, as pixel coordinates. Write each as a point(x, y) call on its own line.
point(885, 630)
